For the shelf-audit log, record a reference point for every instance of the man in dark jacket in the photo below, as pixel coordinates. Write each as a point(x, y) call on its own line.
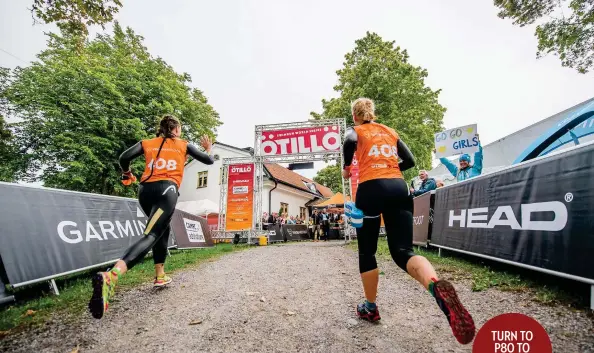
point(427, 184)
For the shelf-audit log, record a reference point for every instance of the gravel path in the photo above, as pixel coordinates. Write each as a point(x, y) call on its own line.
point(290, 298)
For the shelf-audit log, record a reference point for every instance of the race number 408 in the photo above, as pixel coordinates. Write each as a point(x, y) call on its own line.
point(163, 164)
point(386, 150)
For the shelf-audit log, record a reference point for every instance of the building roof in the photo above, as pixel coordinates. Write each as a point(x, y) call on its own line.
point(249, 150)
point(288, 177)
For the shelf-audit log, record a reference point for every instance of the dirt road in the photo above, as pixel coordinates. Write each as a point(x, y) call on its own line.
point(289, 298)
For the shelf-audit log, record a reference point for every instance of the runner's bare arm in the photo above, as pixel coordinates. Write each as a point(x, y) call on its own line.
point(349, 147)
point(408, 160)
point(199, 155)
point(129, 155)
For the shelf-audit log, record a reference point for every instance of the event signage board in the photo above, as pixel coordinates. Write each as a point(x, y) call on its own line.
point(190, 231)
point(295, 232)
point(48, 232)
point(240, 197)
point(456, 141)
point(421, 219)
point(274, 233)
point(300, 140)
point(538, 213)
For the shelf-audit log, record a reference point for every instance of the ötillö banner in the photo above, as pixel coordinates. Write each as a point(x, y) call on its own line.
point(300, 140)
point(240, 197)
point(48, 232)
point(538, 213)
point(190, 231)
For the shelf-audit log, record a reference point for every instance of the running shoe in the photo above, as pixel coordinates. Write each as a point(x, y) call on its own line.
point(458, 317)
point(162, 281)
point(365, 314)
point(103, 290)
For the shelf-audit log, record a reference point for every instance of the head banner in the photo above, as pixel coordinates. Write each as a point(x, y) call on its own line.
point(300, 140)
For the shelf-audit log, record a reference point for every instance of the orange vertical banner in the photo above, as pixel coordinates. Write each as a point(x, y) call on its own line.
point(240, 197)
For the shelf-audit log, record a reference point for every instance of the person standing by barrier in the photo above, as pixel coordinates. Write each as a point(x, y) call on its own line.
point(383, 191)
point(427, 184)
point(465, 170)
point(165, 160)
point(326, 224)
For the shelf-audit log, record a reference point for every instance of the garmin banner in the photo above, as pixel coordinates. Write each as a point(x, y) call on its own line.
point(190, 231)
point(47, 232)
point(294, 232)
point(421, 219)
point(538, 213)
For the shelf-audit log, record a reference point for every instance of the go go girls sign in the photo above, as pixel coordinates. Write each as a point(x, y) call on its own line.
point(300, 140)
point(456, 141)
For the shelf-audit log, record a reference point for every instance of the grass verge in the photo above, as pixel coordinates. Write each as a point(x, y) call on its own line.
point(484, 274)
point(75, 291)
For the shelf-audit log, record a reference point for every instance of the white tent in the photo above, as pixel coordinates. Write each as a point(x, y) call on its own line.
point(198, 207)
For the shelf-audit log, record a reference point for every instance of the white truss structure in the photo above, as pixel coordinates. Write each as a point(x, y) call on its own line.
point(259, 159)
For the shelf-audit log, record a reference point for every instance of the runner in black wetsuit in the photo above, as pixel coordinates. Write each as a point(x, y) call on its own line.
point(165, 160)
point(383, 191)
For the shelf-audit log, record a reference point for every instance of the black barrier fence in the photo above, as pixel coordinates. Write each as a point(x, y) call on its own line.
point(537, 214)
point(48, 233)
point(294, 232)
point(422, 220)
point(275, 234)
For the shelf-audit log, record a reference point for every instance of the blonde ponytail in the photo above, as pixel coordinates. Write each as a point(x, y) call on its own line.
point(364, 109)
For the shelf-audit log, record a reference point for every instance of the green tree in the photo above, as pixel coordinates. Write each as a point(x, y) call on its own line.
point(330, 177)
point(8, 153)
point(566, 28)
point(74, 16)
point(79, 109)
point(377, 70)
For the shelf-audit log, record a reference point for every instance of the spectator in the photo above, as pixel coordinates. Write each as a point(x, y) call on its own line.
point(427, 184)
point(316, 224)
point(466, 170)
point(291, 220)
point(326, 224)
point(272, 218)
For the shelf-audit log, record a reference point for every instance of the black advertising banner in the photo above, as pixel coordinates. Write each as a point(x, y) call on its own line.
point(295, 232)
point(274, 233)
point(46, 232)
point(538, 213)
point(190, 231)
point(421, 219)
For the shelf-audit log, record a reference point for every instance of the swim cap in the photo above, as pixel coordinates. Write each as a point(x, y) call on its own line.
point(465, 157)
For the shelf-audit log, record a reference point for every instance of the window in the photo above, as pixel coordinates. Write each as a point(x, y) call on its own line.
point(302, 212)
point(202, 179)
point(284, 208)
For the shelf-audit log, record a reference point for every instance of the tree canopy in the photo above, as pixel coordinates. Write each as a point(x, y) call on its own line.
point(330, 177)
point(78, 109)
point(378, 70)
point(566, 28)
point(74, 16)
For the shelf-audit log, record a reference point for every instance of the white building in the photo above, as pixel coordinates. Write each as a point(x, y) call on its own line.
point(283, 188)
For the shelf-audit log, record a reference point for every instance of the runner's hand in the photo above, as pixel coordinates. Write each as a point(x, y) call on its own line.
point(206, 143)
point(128, 178)
point(346, 173)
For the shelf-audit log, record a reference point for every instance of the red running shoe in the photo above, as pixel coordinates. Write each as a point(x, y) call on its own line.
point(370, 315)
point(460, 320)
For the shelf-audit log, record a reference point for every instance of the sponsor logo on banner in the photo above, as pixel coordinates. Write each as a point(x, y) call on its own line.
point(456, 141)
point(194, 231)
point(240, 197)
point(72, 233)
point(240, 190)
point(504, 216)
point(300, 140)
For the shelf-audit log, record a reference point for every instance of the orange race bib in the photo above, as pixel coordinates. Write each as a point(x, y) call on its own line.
point(377, 153)
point(170, 163)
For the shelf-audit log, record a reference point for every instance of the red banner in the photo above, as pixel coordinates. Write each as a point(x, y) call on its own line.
point(301, 140)
point(240, 197)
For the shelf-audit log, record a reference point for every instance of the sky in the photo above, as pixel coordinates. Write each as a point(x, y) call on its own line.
point(272, 61)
